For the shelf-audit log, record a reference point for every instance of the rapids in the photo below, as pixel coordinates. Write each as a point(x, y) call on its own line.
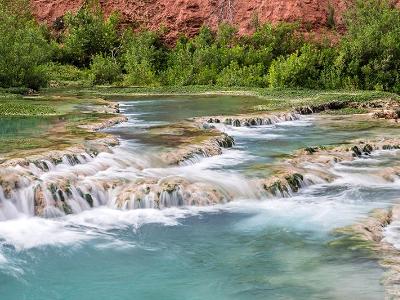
point(124, 224)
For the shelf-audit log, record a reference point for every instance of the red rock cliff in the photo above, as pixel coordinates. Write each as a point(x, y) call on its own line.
point(187, 16)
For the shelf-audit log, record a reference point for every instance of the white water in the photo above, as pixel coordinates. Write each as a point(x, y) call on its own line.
point(293, 231)
point(315, 208)
point(86, 182)
point(93, 174)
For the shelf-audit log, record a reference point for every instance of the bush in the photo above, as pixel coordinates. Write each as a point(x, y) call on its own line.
point(370, 52)
point(234, 75)
point(59, 74)
point(300, 69)
point(104, 70)
point(88, 33)
point(179, 69)
point(226, 35)
point(368, 56)
point(281, 38)
point(23, 50)
point(144, 58)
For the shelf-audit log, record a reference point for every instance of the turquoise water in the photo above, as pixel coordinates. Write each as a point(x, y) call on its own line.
point(247, 249)
point(218, 255)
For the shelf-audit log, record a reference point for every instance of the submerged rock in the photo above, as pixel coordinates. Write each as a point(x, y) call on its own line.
point(387, 114)
point(236, 123)
point(356, 151)
point(105, 123)
point(208, 147)
point(317, 108)
point(283, 185)
point(367, 149)
point(251, 119)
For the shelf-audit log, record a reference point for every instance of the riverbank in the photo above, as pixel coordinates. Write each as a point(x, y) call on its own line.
point(374, 234)
point(200, 137)
point(69, 110)
point(275, 99)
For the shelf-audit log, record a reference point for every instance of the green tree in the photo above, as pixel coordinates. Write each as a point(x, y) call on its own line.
point(23, 48)
point(104, 69)
point(144, 58)
point(369, 54)
point(300, 69)
point(234, 75)
point(281, 38)
point(87, 33)
point(179, 69)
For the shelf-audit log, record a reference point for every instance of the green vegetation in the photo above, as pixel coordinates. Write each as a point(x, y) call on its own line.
point(347, 111)
point(86, 34)
point(16, 105)
point(104, 70)
point(66, 75)
point(369, 55)
point(25, 109)
point(23, 48)
point(90, 49)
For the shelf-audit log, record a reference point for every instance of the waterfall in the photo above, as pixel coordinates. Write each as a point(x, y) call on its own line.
point(118, 179)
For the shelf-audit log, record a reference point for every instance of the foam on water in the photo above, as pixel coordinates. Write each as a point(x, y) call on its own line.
point(100, 224)
point(307, 211)
point(392, 234)
point(310, 214)
point(264, 132)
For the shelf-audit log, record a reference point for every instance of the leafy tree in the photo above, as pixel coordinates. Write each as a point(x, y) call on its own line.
point(300, 69)
point(179, 70)
point(144, 57)
point(87, 33)
point(23, 48)
point(369, 55)
point(226, 35)
point(234, 75)
point(281, 38)
point(104, 69)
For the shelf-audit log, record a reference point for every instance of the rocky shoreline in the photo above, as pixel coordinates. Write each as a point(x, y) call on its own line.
point(305, 167)
point(314, 165)
point(369, 233)
point(70, 192)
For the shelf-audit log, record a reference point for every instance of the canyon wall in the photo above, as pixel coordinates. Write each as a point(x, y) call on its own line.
point(187, 16)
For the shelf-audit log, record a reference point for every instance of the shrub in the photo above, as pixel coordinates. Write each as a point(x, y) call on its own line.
point(59, 74)
point(23, 49)
point(144, 58)
point(234, 75)
point(330, 18)
point(300, 69)
point(370, 51)
point(104, 70)
point(226, 35)
point(179, 70)
point(281, 38)
point(88, 33)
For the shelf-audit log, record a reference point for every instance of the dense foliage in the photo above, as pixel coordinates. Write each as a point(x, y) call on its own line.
point(104, 70)
point(369, 55)
point(94, 49)
point(86, 34)
point(23, 48)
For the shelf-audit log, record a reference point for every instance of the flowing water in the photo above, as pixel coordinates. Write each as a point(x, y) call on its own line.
point(254, 247)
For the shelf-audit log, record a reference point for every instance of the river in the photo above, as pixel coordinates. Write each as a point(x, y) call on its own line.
point(254, 247)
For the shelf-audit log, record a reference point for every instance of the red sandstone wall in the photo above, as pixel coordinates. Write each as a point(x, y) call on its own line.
point(186, 16)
